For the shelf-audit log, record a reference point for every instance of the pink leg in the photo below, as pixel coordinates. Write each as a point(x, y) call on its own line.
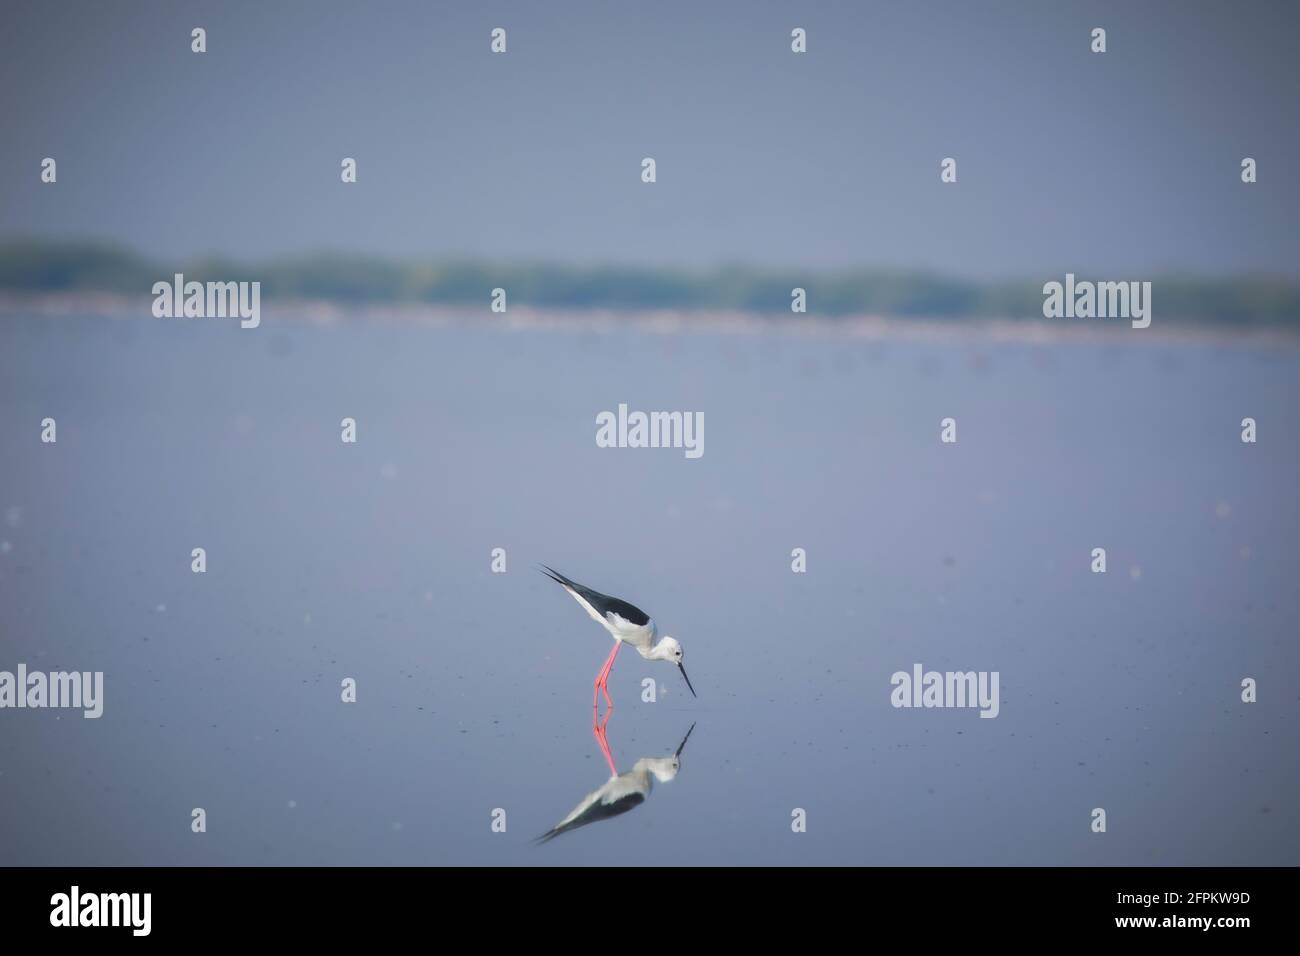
point(602, 683)
point(599, 731)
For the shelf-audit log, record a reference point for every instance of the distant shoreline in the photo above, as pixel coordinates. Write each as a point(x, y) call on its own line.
point(105, 305)
point(776, 294)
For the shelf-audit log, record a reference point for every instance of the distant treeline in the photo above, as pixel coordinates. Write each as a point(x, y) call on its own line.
point(63, 266)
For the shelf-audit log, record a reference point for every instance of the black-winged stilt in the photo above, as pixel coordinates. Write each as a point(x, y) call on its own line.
point(627, 625)
point(621, 792)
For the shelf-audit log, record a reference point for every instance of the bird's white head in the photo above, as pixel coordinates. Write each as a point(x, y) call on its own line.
point(665, 768)
point(668, 649)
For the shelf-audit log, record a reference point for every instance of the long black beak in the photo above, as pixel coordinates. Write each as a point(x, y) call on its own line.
point(688, 681)
point(682, 746)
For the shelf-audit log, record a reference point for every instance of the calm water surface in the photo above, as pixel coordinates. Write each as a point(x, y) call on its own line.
point(372, 561)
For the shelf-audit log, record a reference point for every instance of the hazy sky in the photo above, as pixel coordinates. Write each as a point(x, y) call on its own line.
point(1126, 162)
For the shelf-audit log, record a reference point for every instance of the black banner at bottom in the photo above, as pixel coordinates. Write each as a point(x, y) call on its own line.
point(332, 904)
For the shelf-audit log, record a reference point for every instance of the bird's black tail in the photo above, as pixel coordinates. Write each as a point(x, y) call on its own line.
point(548, 836)
point(557, 577)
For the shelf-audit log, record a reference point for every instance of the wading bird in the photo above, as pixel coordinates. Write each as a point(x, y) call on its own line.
point(627, 625)
point(621, 792)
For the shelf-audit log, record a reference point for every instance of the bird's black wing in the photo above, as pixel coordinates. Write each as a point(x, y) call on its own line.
point(597, 811)
point(603, 603)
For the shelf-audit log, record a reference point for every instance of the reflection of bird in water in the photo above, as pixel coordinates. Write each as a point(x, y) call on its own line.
point(622, 792)
point(627, 625)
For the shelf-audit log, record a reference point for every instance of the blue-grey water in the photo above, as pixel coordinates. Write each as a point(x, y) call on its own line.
point(372, 561)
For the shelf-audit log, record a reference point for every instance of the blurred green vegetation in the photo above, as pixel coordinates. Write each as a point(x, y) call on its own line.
point(61, 266)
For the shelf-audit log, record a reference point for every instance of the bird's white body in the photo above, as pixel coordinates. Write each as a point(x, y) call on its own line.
point(640, 636)
point(636, 783)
